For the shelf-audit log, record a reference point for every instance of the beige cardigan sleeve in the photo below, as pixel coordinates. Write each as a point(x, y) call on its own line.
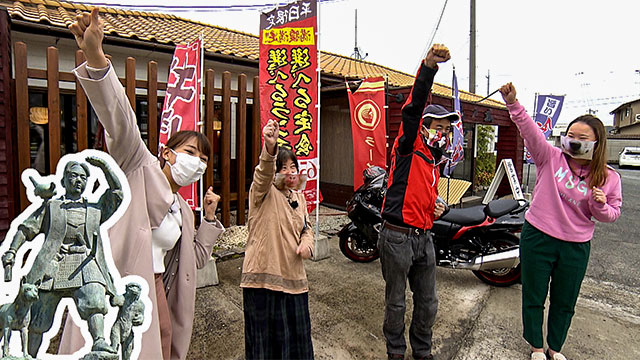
point(307, 237)
point(262, 177)
point(110, 102)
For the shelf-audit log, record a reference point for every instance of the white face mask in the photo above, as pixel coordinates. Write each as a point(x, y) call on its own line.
point(187, 169)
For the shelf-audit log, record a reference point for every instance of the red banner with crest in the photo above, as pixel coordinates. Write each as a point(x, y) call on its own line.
point(289, 84)
point(368, 127)
point(181, 109)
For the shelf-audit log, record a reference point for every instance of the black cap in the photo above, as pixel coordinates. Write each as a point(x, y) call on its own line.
point(439, 112)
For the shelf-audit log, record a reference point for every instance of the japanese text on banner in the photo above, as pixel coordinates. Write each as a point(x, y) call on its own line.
point(547, 114)
point(288, 83)
point(181, 107)
point(368, 127)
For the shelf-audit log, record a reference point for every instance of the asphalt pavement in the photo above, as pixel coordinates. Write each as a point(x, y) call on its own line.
point(475, 321)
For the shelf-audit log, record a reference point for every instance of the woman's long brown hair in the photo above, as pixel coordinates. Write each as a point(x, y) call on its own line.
point(599, 162)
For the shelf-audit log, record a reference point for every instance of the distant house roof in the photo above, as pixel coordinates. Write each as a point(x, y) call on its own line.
point(623, 105)
point(624, 136)
point(171, 30)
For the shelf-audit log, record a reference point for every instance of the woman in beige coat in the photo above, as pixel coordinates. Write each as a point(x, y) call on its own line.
point(275, 289)
point(169, 264)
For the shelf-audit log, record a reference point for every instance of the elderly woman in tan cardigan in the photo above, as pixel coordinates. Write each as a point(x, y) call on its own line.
point(274, 282)
point(155, 238)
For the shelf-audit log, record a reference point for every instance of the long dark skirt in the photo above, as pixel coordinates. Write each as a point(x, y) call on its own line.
point(276, 325)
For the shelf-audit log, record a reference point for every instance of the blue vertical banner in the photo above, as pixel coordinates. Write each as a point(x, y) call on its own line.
point(456, 147)
point(547, 114)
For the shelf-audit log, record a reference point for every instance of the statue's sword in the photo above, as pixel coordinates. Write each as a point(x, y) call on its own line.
point(90, 257)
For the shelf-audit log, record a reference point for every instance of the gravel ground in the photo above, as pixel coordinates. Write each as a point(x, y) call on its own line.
point(234, 239)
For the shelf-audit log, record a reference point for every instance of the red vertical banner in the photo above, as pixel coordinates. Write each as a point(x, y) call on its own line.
point(368, 127)
point(181, 109)
point(289, 84)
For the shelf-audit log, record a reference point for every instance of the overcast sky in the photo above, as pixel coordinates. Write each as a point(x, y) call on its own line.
point(587, 50)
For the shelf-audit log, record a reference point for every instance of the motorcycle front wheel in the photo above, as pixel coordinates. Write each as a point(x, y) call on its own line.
point(357, 248)
point(505, 276)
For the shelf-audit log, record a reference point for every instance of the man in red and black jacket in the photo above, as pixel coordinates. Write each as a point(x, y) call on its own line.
point(409, 209)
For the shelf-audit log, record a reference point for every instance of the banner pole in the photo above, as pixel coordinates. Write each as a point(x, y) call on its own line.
point(528, 173)
point(535, 113)
point(201, 38)
point(318, 69)
point(201, 120)
point(448, 187)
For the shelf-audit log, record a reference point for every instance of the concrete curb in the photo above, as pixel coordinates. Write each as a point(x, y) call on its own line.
point(321, 248)
point(208, 275)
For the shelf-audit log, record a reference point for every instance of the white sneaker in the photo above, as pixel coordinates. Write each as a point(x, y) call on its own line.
point(538, 356)
point(556, 356)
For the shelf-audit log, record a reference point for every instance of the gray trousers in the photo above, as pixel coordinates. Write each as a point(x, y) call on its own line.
point(408, 256)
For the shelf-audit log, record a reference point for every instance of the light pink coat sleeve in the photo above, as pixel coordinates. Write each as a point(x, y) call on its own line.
point(205, 239)
point(108, 97)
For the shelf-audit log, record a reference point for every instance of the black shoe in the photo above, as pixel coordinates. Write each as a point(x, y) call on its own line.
point(396, 356)
point(428, 357)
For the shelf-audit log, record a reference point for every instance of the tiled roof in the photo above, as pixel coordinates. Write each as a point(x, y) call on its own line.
point(170, 29)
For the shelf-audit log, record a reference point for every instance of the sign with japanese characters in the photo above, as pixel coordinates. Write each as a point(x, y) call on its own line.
point(181, 109)
point(368, 128)
point(547, 114)
point(289, 84)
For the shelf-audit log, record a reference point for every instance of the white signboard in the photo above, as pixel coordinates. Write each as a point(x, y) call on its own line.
point(506, 167)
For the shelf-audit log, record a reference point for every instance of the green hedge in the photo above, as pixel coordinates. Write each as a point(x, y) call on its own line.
point(485, 161)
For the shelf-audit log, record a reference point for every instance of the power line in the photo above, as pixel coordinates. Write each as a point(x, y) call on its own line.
point(603, 98)
point(613, 100)
point(433, 33)
point(435, 30)
point(190, 8)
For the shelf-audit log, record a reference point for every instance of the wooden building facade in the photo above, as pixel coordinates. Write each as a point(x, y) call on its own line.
point(37, 54)
point(336, 167)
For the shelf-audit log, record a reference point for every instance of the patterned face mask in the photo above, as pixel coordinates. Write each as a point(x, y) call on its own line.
point(290, 181)
point(438, 139)
point(577, 149)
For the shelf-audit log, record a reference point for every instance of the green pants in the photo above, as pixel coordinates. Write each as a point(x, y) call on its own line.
point(544, 258)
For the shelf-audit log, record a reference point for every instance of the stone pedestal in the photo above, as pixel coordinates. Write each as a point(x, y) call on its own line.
point(208, 275)
point(100, 355)
point(321, 248)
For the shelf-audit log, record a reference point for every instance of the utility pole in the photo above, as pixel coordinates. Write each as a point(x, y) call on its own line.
point(357, 53)
point(488, 84)
point(472, 49)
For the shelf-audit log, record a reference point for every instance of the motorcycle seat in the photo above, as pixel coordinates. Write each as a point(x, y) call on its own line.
point(466, 217)
point(497, 208)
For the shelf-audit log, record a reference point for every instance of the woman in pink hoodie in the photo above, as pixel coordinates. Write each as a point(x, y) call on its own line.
point(574, 186)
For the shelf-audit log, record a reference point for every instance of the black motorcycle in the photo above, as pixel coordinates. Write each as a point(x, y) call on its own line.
point(483, 238)
point(358, 239)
